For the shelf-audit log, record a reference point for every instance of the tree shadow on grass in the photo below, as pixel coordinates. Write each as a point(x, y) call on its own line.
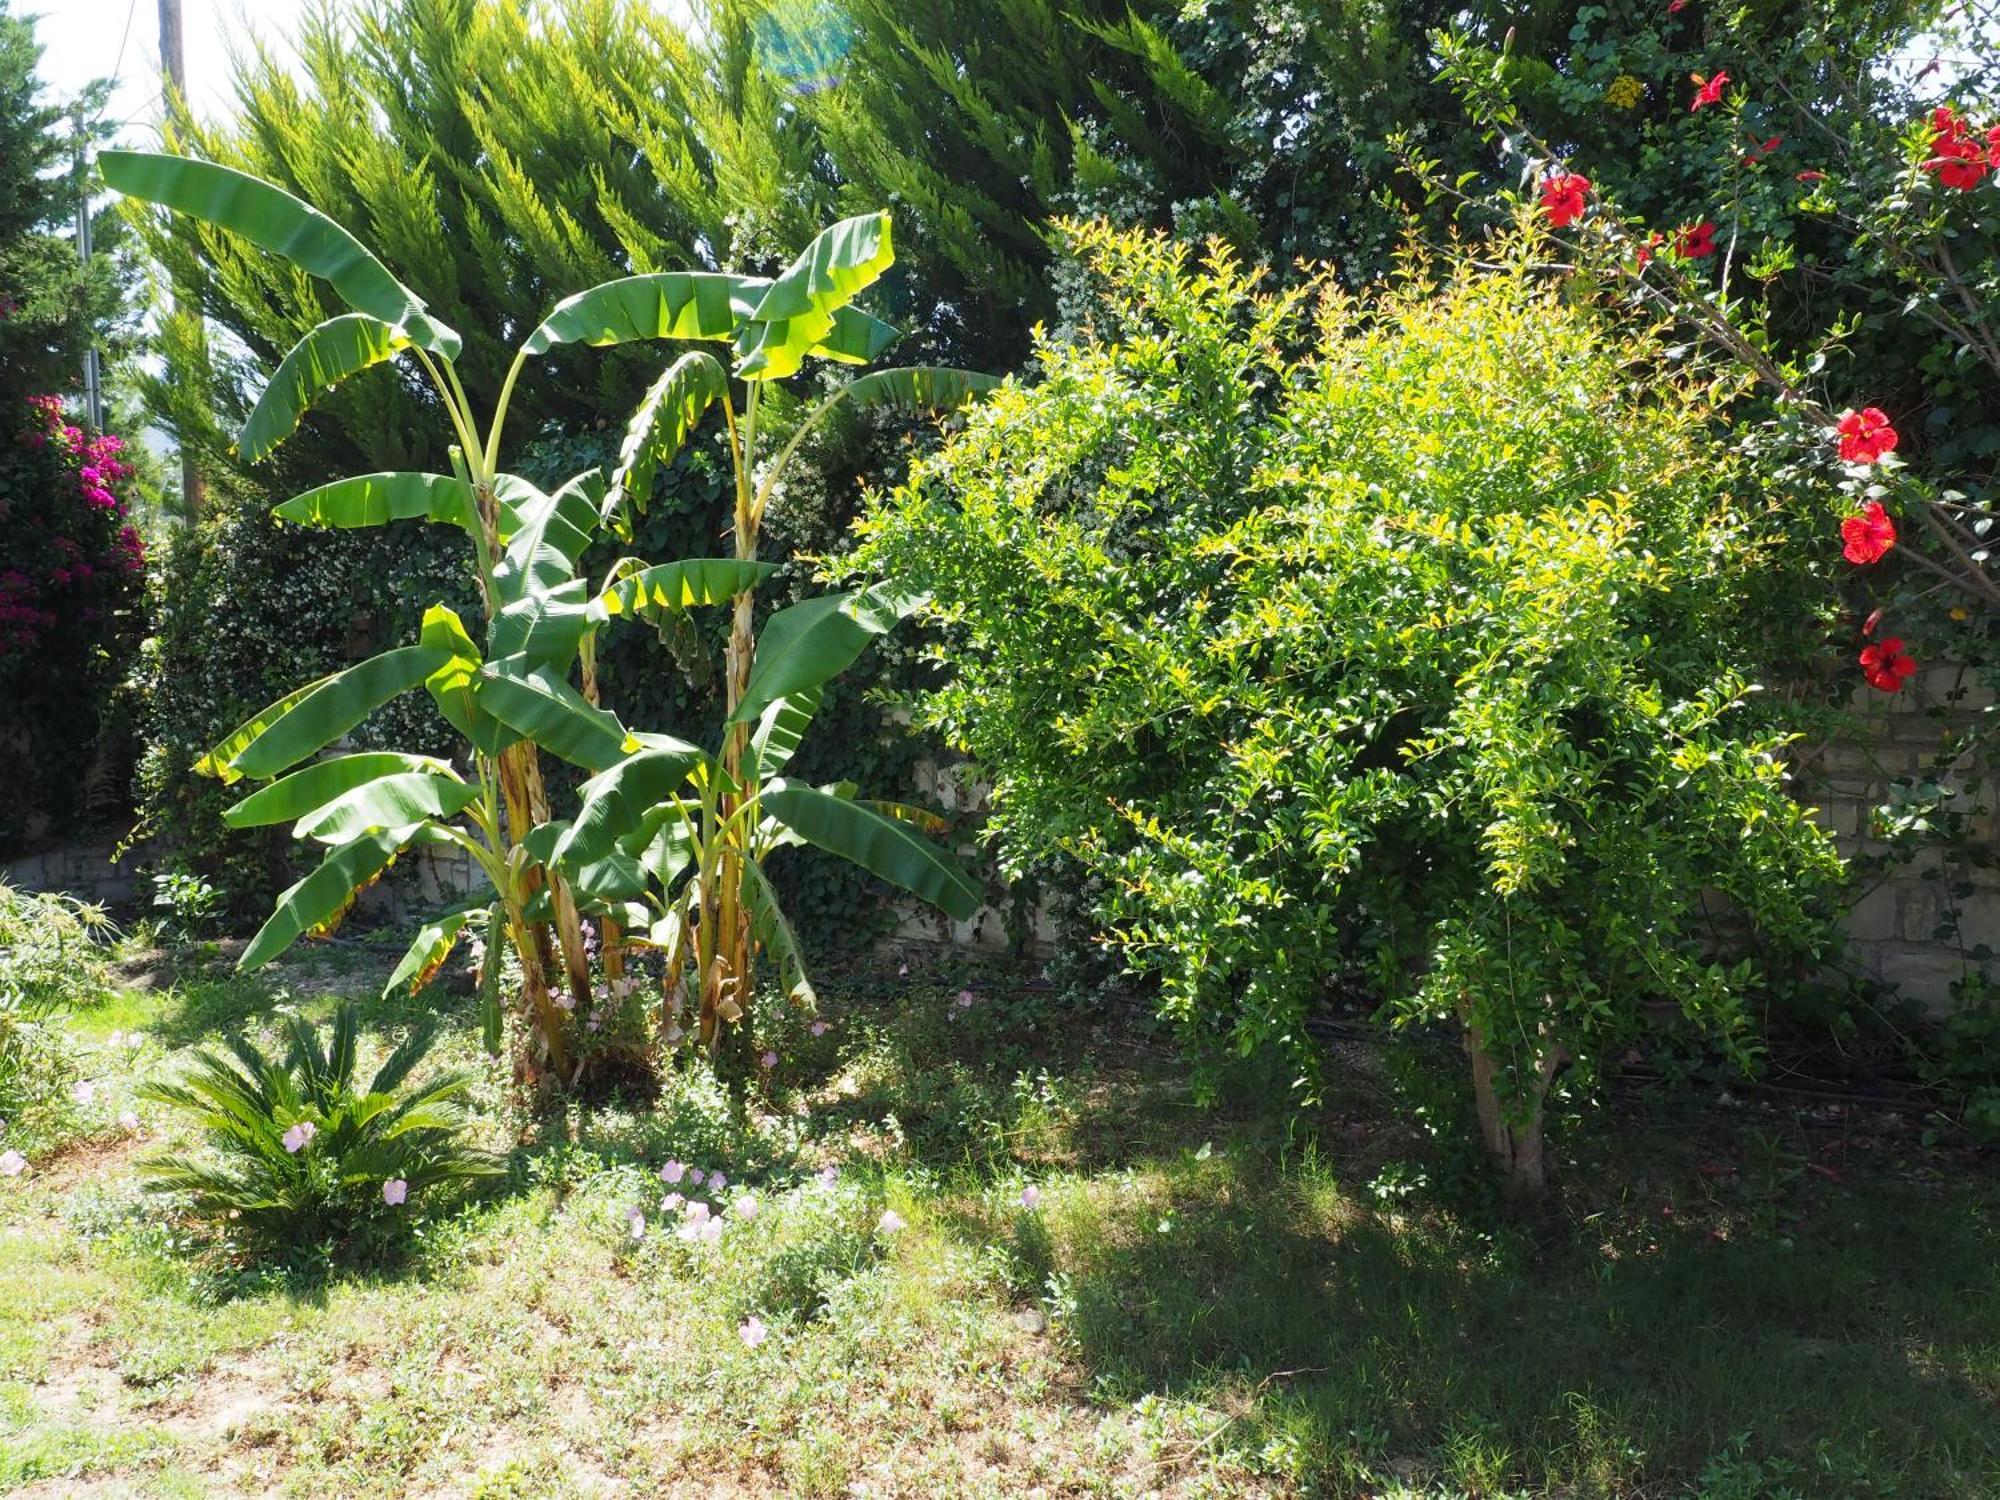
point(1344, 1342)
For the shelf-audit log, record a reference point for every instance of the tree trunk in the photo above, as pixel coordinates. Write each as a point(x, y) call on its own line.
point(1513, 1135)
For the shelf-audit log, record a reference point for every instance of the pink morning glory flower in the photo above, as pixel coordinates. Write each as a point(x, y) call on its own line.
point(695, 1175)
point(890, 1222)
point(395, 1191)
point(674, 1171)
point(12, 1164)
point(753, 1332)
point(564, 1000)
point(300, 1136)
point(711, 1231)
point(717, 1182)
point(671, 1203)
point(696, 1210)
point(1031, 1196)
point(745, 1207)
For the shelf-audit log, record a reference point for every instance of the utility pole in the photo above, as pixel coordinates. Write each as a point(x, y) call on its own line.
point(173, 72)
point(93, 391)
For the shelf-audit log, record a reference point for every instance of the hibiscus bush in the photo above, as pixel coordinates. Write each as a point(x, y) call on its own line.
point(71, 588)
point(1408, 643)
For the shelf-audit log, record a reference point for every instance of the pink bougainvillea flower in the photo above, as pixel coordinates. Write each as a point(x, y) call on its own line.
point(753, 1332)
point(1865, 435)
point(1564, 196)
point(674, 1171)
point(1031, 1196)
point(890, 1222)
point(300, 1136)
point(395, 1192)
point(1708, 90)
point(1869, 535)
point(1886, 665)
point(1697, 242)
point(12, 1164)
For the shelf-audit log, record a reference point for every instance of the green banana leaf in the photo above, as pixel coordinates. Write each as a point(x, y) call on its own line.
point(542, 706)
point(322, 896)
point(880, 845)
point(338, 348)
point(686, 584)
point(774, 930)
point(388, 802)
point(812, 642)
point(546, 627)
point(454, 686)
point(659, 428)
point(307, 721)
point(855, 338)
point(272, 219)
point(292, 797)
point(490, 1016)
point(918, 388)
point(374, 499)
point(613, 802)
point(544, 535)
point(780, 727)
point(797, 310)
point(664, 305)
point(428, 951)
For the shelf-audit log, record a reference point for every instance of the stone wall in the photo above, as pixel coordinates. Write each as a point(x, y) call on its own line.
point(85, 870)
point(1913, 924)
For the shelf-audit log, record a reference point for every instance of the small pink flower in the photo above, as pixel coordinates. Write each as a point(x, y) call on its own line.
point(695, 1175)
point(671, 1203)
point(711, 1231)
point(84, 1092)
point(753, 1332)
point(300, 1136)
point(564, 1000)
point(965, 999)
point(745, 1207)
point(12, 1164)
point(828, 1176)
point(696, 1210)
point(128, 1121)
point(717, 1182)
point(674, 1171)
point(768, 1061)
point(890, 1222)
point(1031, 1197)
point(635, 1223)
point(819, 1028)
point(395, 1192)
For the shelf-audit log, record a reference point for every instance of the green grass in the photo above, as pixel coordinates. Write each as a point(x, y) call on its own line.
point(1204, 1303)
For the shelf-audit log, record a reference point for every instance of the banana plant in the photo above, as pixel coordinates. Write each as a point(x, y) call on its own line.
point(688, 830)
point(513, 697)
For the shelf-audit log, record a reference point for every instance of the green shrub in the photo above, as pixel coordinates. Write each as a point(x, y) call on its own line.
point(51, 962)
point(1410, 642)
point(303, 1158)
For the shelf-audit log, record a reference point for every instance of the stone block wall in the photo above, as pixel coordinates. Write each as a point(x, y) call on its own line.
point(1907, 926)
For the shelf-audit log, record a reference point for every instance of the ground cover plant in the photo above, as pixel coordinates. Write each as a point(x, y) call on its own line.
point(984, 1248)
point(660, 811)
point(1408, 641)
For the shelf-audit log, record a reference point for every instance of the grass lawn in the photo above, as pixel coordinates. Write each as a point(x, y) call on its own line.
point(1715, 1303)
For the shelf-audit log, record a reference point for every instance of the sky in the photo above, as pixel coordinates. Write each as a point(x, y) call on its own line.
point(81, 40)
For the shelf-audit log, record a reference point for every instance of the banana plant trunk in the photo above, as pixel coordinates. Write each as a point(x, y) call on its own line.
point(727, 978)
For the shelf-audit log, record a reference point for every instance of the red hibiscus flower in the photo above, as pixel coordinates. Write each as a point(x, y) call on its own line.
point(1869, 535)
point(1886, 665)
point(1707, 90)
point(1758, 153)
point(1644, 254)
point(1697, 243)
point(1809, 175)
point(1563, 197)
point(1993, 148)
point(1957, 158)
point(1865, 435)
point(1675, 7)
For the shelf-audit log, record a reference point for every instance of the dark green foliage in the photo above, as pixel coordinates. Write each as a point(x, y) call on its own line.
point(253, 1106)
